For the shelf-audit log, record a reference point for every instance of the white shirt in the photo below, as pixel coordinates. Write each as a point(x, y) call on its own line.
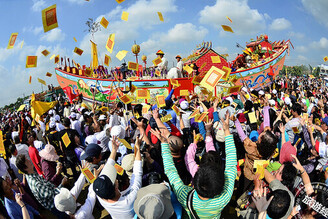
point(38, 145)
point(180, 65)
point(67, 112)
point(163, 64)
point(4, 169)
point(59, 126)
point(123, 208)
point(22, 149)
point(103, 139)
point(76, 124)
point(86, 209)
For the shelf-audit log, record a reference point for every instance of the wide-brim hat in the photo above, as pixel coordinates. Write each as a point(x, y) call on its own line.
point(178, 57)
point(49, 153)
point(64, 201)
point(153, 201)
point(160, 52)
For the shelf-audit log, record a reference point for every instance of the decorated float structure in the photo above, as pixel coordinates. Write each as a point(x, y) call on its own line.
point(260, 61)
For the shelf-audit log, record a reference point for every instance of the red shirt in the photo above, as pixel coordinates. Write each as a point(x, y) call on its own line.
point(35, 158)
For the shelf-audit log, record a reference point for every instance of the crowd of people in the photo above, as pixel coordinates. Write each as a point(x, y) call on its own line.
point(257, 154)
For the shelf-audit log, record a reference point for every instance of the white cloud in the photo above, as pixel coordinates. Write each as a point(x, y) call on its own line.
point(297, 35)
point(318, 9)
point(245, 20)
point(185, 33)
point(54, 35)
point(301, 49)
point(38, 5)
point(79, 2)
point(302, 58)
point(280, 24)
point(321, 44)
point(32, 29)
point(221, 50)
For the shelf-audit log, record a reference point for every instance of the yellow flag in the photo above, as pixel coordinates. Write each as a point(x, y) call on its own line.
point(94, 55)
point(40, 107)
point(2, 146)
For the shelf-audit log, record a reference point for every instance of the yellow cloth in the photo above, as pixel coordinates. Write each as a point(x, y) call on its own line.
point(39, 107)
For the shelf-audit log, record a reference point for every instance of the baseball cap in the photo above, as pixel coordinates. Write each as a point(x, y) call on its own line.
point(91, 139)
point(102, 117)
point(104, 186)
point(92, 150)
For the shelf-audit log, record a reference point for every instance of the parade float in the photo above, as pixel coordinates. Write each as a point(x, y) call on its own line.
point(259, 62)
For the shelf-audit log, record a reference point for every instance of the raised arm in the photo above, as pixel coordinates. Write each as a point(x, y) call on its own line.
point(305, 177)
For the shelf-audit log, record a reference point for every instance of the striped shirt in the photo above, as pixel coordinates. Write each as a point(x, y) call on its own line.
point(210, 208)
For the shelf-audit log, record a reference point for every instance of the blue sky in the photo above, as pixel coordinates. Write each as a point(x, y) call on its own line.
point(186, 24)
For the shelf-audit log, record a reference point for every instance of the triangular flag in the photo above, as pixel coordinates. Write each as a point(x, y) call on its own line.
point(31, 61)
point(160, 15)
point(78, 51)
point(12, 40)
point(104, 22)
point(121, 54)
point(48, 74)
point(110, 42)
point(125, 16)
point(42, 82)
point(227, 28)
point(49, 18)
point(107, 60)
point(45, 52)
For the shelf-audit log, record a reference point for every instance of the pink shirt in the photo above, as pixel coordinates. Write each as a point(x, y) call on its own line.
point(191, 164)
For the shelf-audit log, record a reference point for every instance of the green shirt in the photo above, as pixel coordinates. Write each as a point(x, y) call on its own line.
point(210, 208)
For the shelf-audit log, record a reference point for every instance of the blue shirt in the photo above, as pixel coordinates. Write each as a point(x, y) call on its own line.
point(15, 211)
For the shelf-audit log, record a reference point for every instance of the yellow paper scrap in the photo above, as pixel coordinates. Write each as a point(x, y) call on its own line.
point(188, 69)
point(166, 118)
point(120, 1)
point(107, 60)
point(30, 80)
point(252, 117)
point(125, 16)
point(125, 143)
point(53, 56)
point(75, 39)
point(160, 15)
point(22, 44)
point(49, 18)
point(227, 28)
point(110, 42)
point(48, 74)
point(89, 175)
point(104, 22)
point(42, 82)
point(157, 61)
point(160, 101)
point(212, 78)
point(325, 58)
point(229, 19)
point(31, 61)
point(45, 52)
point(260, 166)
point(12, 40)
point(121, 54)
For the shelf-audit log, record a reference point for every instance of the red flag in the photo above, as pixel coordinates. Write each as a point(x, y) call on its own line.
point(68, 91)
